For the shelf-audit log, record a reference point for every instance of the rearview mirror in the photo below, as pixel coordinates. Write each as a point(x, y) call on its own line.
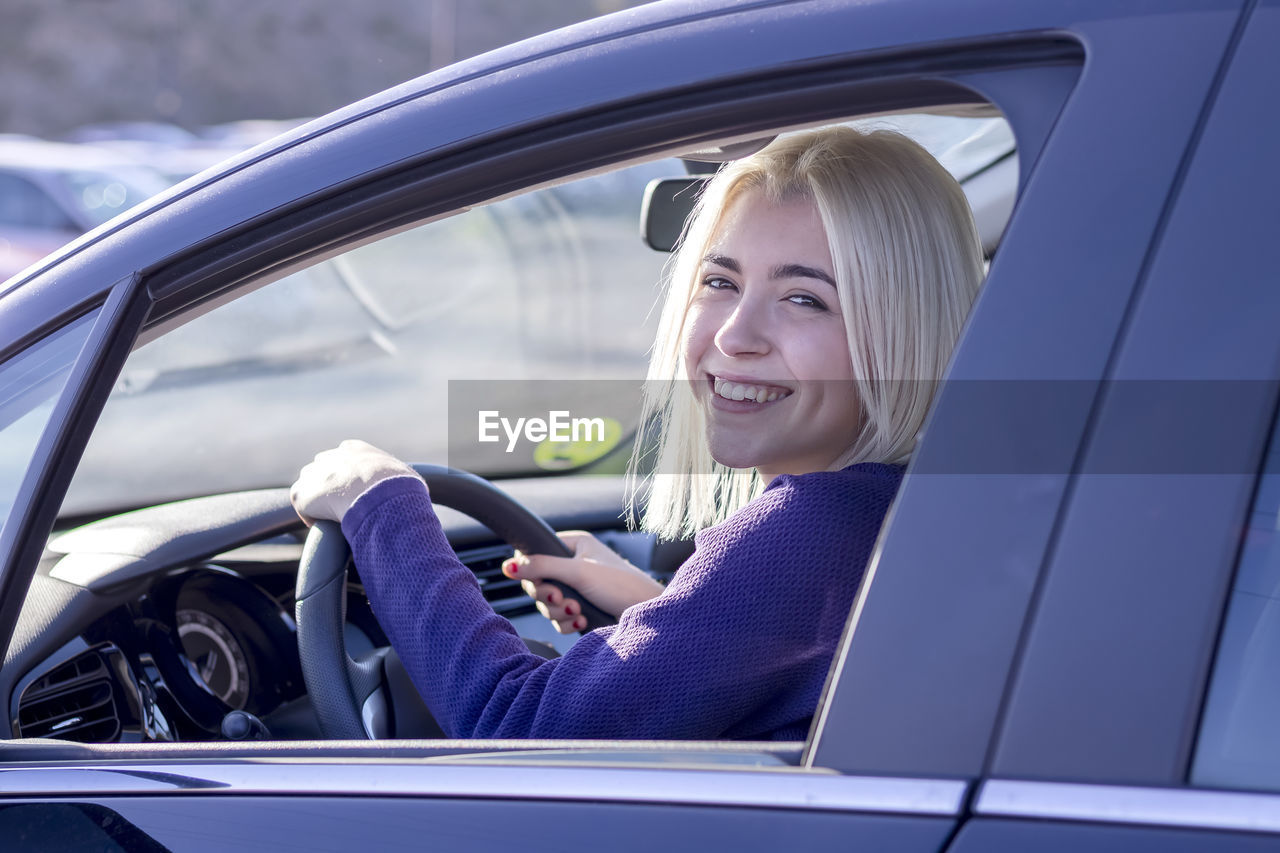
point(667, 205)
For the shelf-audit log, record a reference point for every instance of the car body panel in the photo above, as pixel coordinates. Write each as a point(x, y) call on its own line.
point(1007, 836)
point(269, 823)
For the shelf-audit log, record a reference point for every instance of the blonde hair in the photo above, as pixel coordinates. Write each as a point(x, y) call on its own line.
point(908, 264)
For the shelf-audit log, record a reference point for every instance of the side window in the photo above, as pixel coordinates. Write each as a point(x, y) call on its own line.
point(30, 383)
point(1239, 745)
point(503, 307)
point(24, 205)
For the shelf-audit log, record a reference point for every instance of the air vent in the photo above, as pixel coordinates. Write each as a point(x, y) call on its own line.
point(76, 701)
point(503, 593)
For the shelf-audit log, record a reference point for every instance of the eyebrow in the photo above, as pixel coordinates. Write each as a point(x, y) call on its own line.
point(780, 271)
point(801, 271)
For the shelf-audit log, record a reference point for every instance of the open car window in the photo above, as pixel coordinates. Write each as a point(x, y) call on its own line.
point(536, 303)
point(530, 303)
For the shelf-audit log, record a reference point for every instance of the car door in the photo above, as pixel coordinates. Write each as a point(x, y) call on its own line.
point(907, 725)
point(1139, 714)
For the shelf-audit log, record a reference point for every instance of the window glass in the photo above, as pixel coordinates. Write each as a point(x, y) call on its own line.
point(1239, 744)
point(552, 285)
point(30, 383)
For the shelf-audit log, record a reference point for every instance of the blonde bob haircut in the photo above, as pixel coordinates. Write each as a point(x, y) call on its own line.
point(908, 264)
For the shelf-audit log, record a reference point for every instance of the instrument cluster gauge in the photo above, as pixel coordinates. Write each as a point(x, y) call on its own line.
point(218, 659)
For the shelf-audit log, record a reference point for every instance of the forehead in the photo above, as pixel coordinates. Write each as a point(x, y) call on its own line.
point(757, 226)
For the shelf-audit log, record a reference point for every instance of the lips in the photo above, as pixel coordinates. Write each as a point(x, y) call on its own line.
point(755, 392)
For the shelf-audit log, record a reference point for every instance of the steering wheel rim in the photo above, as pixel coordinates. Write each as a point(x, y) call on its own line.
point(349, 695)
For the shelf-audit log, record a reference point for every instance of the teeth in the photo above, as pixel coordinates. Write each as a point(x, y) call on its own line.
point(755, 393)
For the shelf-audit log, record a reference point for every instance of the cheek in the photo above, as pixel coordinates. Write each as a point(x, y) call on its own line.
point(850, 407)
point(694, 341)
point(822, 354)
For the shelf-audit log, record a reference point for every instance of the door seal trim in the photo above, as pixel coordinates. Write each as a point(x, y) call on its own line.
point(771, 787)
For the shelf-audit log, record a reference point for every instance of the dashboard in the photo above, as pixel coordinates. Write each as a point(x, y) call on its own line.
point(156, 624)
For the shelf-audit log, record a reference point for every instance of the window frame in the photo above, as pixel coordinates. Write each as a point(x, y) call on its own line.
point(316, 228)
point(36, 502)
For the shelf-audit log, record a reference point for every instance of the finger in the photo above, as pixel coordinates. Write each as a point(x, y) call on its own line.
point(543, 592)
point(295, 501)
point(569, 625)
point(511, 565)
point(565, 569)
point(542, 567)
point(557, 613)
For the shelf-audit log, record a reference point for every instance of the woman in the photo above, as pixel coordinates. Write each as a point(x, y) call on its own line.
point(814, 302)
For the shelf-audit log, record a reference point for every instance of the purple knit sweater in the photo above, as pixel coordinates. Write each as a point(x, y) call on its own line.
point(737, 646)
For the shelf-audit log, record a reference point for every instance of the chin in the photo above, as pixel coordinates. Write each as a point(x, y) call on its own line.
point(730, 461)
point(733, 452)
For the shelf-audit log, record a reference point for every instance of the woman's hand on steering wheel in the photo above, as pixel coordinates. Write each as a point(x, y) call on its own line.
point(595, 570)
point(329, 484)
point(350, 696)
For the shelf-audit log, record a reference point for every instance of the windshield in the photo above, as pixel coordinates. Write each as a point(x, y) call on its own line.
point(540, 303)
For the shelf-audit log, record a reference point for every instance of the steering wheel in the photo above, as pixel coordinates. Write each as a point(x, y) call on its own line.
point(350, 695)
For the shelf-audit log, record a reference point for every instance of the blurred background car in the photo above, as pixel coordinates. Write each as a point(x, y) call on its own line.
point(53, 192)
point(173, 151)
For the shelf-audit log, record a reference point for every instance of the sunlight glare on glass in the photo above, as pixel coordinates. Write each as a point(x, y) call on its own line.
point(92, 196)
point(114, 194)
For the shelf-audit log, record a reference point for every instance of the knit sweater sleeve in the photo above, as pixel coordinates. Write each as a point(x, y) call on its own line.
point(737, 646)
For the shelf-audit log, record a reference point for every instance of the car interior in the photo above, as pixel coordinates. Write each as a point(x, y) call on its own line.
point(163, 609)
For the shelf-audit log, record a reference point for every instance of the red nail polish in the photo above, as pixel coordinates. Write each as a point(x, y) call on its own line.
point(579, 623)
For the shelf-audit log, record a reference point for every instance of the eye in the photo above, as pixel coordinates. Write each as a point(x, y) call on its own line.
point(806, 300)
point(716, 282)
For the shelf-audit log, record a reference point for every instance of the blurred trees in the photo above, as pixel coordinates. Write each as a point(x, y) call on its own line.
point(64, 63)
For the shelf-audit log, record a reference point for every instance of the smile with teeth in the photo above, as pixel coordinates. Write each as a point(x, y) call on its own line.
point(755, 393)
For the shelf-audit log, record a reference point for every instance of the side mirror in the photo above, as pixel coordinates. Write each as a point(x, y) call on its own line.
point(667, 205)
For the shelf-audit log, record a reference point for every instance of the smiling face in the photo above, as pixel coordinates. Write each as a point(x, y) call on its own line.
point(764, 341)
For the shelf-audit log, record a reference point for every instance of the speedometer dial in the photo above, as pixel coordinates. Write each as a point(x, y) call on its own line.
point(218, 659)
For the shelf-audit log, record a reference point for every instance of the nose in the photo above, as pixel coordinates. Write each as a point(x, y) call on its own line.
point(745, 331)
